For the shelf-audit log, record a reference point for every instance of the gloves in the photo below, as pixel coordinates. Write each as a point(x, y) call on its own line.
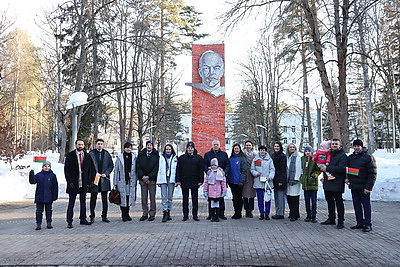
point(206, 194)
point(223, 194)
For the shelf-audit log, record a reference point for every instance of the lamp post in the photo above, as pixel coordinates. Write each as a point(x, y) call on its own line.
point(150, 130)
point(319, 101)
point(263, 128)
point(77, 99)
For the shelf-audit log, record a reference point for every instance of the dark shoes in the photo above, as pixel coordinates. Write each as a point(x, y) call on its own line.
point(49, 226)
point(169, 215)
point(237, 216)
point(261, 217)
point(307, 219)
point(165, 217)
point(38, 226)
point(314, 219)
point(267, 217)
point(69, 225)
point(151, 218)
point(85, 222)
point(143, 218)
point(278, 217)
point(340, 225)
point(328, 222)
point(357, 226)
point(185, 218)
point(367, 229)
point(91, 220)
point(223, 217)
point(196, 219)
point(106, 220)
point(208, 217)
point(293, 219)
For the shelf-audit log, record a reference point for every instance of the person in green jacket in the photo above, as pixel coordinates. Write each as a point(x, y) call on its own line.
point(309, 182)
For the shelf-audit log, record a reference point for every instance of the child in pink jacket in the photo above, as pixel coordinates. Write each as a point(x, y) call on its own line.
point(215, 188)
point(323, 157)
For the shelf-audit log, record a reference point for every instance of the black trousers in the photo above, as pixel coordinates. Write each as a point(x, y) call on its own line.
point(48, 207)
point(237, 200)
point(185, 201)
point(71, 204)
point(104, 201)
point(221, 207)
point(248, 204)
point(293, 203)
point(335, 199)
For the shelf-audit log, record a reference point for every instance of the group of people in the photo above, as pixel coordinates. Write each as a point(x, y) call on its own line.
point(248, 174)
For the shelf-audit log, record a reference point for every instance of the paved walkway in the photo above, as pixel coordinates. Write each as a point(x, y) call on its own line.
point(231, 242)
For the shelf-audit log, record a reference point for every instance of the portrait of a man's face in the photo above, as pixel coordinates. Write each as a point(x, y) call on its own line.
point(211, 69)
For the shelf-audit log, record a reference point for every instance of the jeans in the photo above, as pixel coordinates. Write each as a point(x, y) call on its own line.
point(71, 204)
point(195, 201)
point(279, 196)
point(310, 198)
point(260, 199)
point(362, 207)
point(167, 192)
point(104, 201)
point(39, 212)
point(332, 199)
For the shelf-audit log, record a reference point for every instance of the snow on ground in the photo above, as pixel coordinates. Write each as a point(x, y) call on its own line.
point(14, 184)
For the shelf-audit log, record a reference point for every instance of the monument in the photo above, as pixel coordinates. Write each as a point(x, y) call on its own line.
point(208, 95)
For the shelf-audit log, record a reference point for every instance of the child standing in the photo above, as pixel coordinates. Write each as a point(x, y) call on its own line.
point(323, 156)
point(215, 188)
point(263, 170)
point(46, 193)
point(309, 182)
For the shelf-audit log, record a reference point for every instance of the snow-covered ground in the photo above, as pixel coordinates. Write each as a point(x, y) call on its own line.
point(14, 184)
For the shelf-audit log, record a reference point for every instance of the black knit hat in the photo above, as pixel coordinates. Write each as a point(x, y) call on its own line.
point(358, 142)
point(127, 144)
point(190, 144)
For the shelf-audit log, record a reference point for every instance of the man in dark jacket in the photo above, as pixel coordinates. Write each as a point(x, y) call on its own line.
point(334, 188)
point(361, 179)
point(223, 162)
point(147, 170)
point(79, 174)
point(103, 165)
point(190, 176)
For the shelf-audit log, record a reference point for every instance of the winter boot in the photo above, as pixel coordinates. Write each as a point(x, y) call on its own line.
point(212, 215)
point(169, 215)
point(313, 219)
point(216, 215)
point(308, 218)
point(165, 216)
point(123, 214)
point(38, 226)
point(127, 214)
point(49, 226)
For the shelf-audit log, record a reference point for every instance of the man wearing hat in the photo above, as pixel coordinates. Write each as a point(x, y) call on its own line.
point(361, 177)
point(190, 176)
point(147, 170)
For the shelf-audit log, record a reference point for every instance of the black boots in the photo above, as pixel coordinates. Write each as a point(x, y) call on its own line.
point(125, 214)
point(215, 214)
point(165, 216)
point(169, 215)
point(249, 214)
point(38, 226)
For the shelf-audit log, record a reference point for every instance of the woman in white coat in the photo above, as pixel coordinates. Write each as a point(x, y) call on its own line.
point(166, 179)
point(125, 180)
point(294, 172)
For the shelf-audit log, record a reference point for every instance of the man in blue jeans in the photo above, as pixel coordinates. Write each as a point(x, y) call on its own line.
point(361, 173)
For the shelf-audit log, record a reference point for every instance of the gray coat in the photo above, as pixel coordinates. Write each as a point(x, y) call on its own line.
point(107, 168)
point(119, 180)
point(266, 167)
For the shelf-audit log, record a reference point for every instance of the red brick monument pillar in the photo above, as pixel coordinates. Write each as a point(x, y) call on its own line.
point(208, 96)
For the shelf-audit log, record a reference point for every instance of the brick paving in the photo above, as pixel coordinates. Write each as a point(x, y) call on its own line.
point(245, 242)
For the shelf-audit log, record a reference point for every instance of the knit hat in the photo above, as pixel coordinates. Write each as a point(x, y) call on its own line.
point(46, 163)
point(358, 142)
point(214, 161)
point(149, 142)
point(308, 148)
point(127, 144)
point(190, 143)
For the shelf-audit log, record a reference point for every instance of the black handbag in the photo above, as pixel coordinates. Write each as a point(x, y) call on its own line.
point(115, 197)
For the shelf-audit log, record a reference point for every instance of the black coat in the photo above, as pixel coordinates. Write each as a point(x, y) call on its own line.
point(280, 164)
point(147, 166)
point(71, 171)
point(337, 167)
point(367, 175)
point(107, 168)
point(189, 171)
point(222, 157)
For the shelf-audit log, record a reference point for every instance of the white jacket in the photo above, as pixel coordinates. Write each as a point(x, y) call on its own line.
point(162, 169)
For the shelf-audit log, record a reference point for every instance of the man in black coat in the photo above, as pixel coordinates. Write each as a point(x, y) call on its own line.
point(334, 188)
point(223, 162)
point(79, 174)
point(103, 165)
point(190, 176)
point(361, 179)
point(147, 169)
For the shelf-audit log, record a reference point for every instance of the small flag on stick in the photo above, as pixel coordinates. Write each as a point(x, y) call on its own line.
point(353, 171)
point(97, 179)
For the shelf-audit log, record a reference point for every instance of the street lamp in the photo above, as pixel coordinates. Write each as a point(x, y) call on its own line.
point(262, 133)
point(150, 130)
point(75, 100)
point(319, 101)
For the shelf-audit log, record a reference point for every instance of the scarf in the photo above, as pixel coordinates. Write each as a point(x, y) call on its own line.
point(167, 158)
point(292, 170)
point(249, 156)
